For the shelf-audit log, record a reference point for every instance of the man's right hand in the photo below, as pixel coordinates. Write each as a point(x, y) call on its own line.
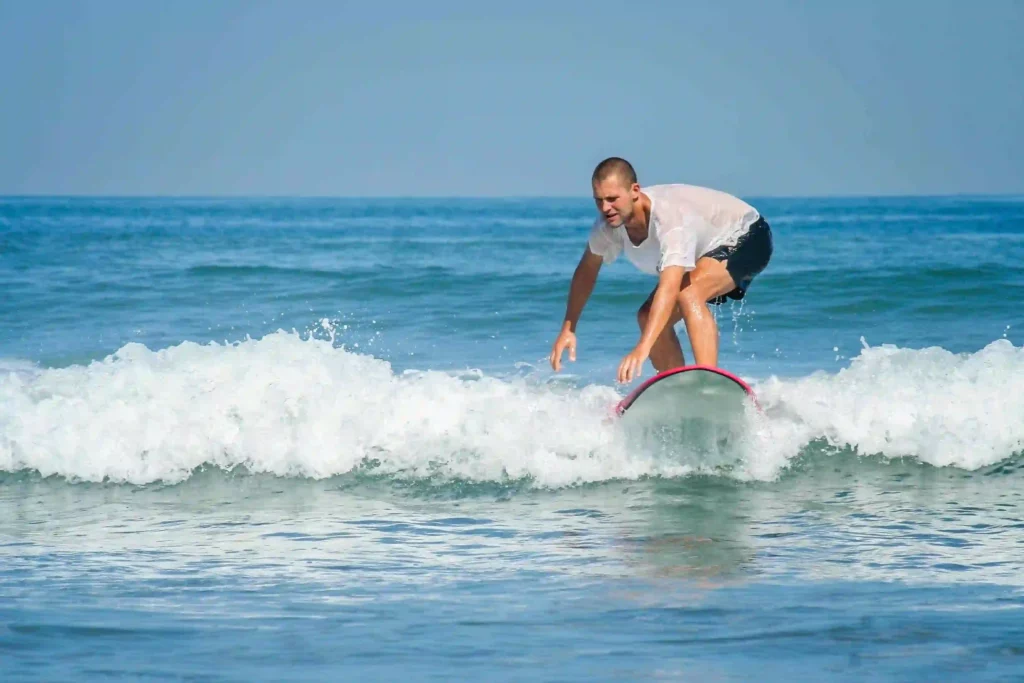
point(567, 339)
point(583, 279)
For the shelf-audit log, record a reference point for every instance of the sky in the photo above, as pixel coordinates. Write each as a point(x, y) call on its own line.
point(447, 98)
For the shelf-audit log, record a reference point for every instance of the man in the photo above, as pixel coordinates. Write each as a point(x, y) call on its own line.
point(703, 245)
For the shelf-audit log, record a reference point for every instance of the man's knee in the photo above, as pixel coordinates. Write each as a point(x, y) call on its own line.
point(709, 280)
point(693, 296)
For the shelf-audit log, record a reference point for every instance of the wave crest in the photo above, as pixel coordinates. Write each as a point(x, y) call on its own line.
point(302, 407)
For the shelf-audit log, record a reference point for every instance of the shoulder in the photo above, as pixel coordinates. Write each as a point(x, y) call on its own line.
point(602, 232)
point(674, 195)
point(699, 198)
point(603, 241)
point(670, 204)
point(601, 226)
point(665, 189)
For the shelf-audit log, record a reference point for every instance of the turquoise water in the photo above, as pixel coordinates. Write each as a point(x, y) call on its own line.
point(318, 439)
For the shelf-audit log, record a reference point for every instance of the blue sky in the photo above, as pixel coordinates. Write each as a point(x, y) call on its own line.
point(472, 98)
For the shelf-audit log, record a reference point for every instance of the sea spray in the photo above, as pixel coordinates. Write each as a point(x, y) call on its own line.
point(296, 406)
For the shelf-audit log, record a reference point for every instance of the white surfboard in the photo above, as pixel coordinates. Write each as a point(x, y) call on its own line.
point(698, 390)
point(695, 409)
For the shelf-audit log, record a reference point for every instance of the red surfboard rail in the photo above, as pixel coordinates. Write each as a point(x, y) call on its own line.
point(628, 401)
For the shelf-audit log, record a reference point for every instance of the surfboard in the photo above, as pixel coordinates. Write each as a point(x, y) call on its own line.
point(691, 390)
point(697, 412)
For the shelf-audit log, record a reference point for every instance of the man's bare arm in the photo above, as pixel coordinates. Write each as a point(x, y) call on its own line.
point(665, 299)
point(582, 286)
point(583, 280)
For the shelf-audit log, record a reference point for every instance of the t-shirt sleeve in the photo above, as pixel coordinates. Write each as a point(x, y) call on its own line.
point(603, 243)
point(678, 245)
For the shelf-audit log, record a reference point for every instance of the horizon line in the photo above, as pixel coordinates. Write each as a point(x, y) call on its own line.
point(516, 197)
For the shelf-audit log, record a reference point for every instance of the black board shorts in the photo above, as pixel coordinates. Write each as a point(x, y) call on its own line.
point(745, 259)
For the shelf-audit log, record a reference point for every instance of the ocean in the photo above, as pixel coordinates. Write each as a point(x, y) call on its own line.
point(319, 439)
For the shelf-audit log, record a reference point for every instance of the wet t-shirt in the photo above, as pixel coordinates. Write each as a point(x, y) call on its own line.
point(686, 222)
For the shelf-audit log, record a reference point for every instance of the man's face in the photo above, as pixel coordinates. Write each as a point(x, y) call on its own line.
point(615, 199)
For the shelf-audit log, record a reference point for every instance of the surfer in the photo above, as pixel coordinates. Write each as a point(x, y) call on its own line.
point(704, 246)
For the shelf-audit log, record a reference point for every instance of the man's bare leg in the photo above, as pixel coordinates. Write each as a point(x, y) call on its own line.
point(707, 281)
point(667, 352)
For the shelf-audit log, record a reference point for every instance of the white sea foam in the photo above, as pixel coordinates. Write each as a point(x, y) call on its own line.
point(941, 408)
point(295, 406)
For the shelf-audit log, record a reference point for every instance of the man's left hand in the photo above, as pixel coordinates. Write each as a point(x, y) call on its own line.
point(632, 364)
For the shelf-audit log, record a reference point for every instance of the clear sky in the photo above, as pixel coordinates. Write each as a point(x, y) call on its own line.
point(477, 98)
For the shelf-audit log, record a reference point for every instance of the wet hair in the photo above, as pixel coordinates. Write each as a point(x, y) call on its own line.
point(614, 166)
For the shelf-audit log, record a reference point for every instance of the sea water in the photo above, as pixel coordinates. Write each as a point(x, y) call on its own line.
point(319, 439)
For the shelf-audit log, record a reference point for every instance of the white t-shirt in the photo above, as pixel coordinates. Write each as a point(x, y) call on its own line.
point(686, 222)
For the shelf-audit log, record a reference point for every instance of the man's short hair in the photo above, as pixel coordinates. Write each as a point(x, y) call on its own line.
point(614, 166)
